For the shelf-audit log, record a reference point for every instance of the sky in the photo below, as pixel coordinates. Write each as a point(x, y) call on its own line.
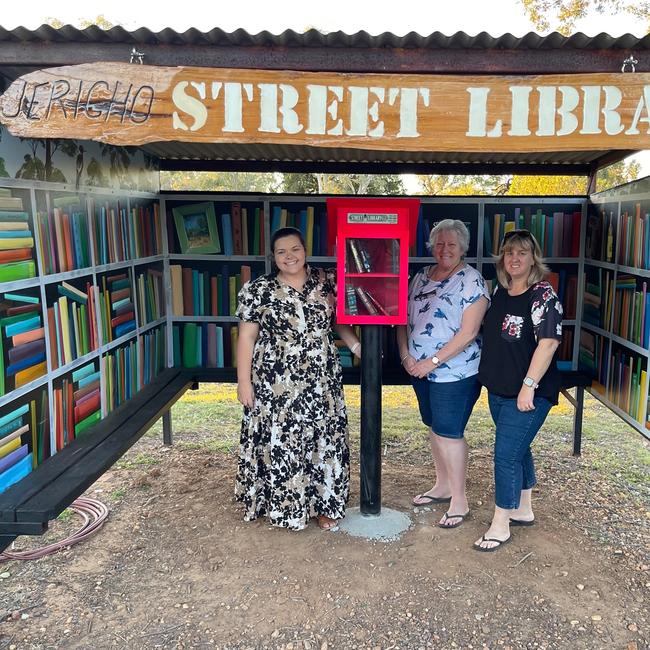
point(423, 16)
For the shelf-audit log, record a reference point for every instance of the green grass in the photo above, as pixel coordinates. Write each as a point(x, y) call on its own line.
point(210, 419)
point(66, 515)
point(117, 495)
point(139, 460)
point(217, 445)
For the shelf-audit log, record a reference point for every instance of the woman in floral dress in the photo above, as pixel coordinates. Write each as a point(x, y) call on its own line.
point(294, 458)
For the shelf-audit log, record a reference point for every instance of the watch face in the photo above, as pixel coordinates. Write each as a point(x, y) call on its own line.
point(529, 382)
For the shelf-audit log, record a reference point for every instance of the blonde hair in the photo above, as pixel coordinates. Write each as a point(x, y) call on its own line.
point(526, 240)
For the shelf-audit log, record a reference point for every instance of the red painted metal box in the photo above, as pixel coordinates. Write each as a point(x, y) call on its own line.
point(371, 238)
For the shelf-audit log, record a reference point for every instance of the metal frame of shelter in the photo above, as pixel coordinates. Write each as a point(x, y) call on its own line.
point(23, 51)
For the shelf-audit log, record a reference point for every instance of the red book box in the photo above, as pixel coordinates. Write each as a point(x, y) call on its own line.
point(371, 238)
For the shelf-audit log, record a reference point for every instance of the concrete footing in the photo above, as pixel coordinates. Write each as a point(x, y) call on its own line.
point(385, 527)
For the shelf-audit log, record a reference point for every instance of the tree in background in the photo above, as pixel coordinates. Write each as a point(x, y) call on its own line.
point(101, 21)
point(263, 182)
point(361, 184)
point(562, 15)
point(547, 185)
point(518, 185)
point(299, 184)
point(460, 184)
point(616, 174)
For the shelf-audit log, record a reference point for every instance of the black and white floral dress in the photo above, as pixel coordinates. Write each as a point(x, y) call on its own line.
point(294, 458)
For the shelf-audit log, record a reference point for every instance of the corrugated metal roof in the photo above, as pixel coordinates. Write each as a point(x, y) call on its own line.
point(315, 38)
point(277, 157)
point(283, 153)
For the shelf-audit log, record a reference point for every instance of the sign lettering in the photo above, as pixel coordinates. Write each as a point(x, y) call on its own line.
point(134, 104)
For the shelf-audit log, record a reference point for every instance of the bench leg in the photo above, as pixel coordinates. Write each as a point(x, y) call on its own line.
point(167, 428)
point(577, 420)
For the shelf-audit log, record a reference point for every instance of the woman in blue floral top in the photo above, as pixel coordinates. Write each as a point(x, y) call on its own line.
point(521, 334)
point(440, 348)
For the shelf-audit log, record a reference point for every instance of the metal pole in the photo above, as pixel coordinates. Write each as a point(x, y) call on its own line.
point(370, 461)
point(167, 428)
point(577, 420)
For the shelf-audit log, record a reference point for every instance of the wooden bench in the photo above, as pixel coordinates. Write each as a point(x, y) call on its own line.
point(27, 507)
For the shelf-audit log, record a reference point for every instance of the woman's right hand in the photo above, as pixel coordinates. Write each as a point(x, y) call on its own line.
point(409, 364)
point(245, 393)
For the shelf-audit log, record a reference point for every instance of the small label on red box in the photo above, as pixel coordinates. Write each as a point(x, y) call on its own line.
point(366, 217)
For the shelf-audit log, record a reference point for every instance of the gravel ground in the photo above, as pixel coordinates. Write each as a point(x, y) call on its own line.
point(176, 567)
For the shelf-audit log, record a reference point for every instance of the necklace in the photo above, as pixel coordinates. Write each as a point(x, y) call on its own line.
point(447, 276)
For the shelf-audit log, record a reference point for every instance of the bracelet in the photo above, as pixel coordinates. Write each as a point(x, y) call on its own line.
point(404, 358)
point(353, 349)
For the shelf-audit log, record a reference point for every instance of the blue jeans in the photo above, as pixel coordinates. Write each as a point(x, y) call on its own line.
point(514, 469)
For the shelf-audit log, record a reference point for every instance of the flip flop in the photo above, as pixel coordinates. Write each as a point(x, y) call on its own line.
point(522, 522)
point(447, 516)
point(429, 499)
point(489, 549)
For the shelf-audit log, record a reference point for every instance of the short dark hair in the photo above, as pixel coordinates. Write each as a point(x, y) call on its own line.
point(286, 232)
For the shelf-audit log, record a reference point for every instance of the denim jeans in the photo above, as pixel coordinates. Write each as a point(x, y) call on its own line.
point(514, 469)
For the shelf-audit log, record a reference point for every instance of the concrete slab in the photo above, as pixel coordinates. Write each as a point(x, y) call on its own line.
point(386, 527)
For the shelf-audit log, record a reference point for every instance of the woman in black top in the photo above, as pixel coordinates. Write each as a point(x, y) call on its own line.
point(521, 333)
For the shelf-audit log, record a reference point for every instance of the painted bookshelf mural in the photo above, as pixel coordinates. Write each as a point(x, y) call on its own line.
point(82, 313)
point(17, 259)
point(310, 219)
point(112, 287)
point(615, 332)
point(23, 353)
point(198, 289)
point(557, 231)
point(64, 238)
point(24, 436)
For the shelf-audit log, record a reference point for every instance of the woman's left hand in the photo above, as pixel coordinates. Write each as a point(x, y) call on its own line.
point(525, 399)
point(422, 368)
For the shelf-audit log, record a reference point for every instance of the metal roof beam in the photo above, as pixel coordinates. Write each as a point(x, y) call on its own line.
point(342, 59)
point(303, 167)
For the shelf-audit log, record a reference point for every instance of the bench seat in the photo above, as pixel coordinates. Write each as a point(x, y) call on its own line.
point(28, 506)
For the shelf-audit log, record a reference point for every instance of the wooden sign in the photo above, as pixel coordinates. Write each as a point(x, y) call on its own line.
point(128, 104)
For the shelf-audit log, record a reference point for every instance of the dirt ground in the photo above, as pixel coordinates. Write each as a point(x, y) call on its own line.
point(175, 567)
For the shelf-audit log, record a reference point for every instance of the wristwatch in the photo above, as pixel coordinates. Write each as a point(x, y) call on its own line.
point(530, 382)
point(436, 361)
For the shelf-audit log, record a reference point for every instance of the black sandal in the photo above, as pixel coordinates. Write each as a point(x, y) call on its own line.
point(490, 549)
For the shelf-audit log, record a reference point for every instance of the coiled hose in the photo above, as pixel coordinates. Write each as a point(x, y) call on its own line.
point(93, 513)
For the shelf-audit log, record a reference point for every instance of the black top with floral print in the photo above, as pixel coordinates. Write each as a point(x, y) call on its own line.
point(512, 327)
